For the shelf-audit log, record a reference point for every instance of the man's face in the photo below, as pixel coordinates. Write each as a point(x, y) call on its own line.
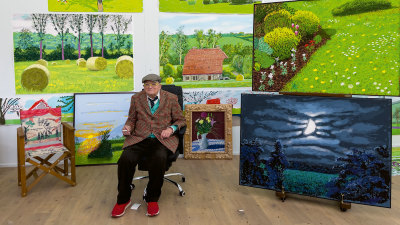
point(151, 88)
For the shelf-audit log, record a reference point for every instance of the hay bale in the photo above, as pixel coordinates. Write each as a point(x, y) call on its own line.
point(67, 61)
point(96, 63)
point(35, 77)
point(124, 66)
point(81, 62)
point(42, 62)
point(53, 63)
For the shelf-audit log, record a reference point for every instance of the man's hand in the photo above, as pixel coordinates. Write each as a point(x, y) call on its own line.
point(126, 131)
point(167, 133)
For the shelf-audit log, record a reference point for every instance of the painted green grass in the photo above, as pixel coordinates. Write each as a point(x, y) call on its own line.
point(306, 182)
point(396, 161)
point(91, 6)
point(361, 58)
point(69, 78)
point(83, 159)
point(395, 131)
point(199, 7)
point(214, 83)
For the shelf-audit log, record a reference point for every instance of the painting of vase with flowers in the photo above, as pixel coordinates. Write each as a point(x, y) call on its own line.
point(208, 132)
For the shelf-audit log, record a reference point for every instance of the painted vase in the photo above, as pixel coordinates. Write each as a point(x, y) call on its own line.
point(204, 141)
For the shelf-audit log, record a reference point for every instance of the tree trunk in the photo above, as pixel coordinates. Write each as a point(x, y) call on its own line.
point(102, 46)
point(41, 55)
point(62, 48)
point(91, 45)
point(79, 46)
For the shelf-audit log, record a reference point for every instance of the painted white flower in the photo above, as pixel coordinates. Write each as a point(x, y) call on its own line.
point(331, 81)
point(272, 67)
point(348, 78)
point(357, 83)
point(382, 90)
point(342, 84)
point(336, 73)
point(374, 83)
point(293, 50)
point(350, 86)
point(270, 76)
point(378, 88)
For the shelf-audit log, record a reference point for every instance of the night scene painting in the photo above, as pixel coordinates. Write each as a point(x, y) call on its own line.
point(322, 147)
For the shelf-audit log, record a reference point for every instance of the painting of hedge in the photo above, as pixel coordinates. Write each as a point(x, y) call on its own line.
point(208, 6)
point(95, 5)
point(98, 123)
point(68, 53)
point(327, 46)
point(198, 51)
point(323, 147)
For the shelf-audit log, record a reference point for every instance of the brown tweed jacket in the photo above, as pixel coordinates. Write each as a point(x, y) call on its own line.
point(143, 123)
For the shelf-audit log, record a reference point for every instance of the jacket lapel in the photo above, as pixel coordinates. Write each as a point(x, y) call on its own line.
point(162, 101)
point(145, 103)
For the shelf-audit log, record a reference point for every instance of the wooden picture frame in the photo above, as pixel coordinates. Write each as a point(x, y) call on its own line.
point(214, 122)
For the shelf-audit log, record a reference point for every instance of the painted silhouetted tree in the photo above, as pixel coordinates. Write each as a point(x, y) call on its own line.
point(363, 177)
point(104, 150)
point(91, 21)
point(76, 25)
point(39, 24)
point(59, 22)
point(277, 164)
point(102, 25)
point(252, 168)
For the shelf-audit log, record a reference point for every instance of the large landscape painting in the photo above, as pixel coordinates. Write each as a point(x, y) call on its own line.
point(327, 46)
point(198, 51)
point(70, 53)
point(325, 147)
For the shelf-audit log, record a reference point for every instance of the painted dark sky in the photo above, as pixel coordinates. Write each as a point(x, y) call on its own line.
point(340, 125)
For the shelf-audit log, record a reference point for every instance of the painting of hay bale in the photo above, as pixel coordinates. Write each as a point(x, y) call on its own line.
point(325, 147)
point(95, 5)
point(70, 53)
point(98, 123)
point(327, 46)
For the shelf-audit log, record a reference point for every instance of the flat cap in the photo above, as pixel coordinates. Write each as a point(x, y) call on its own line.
point(151, 77)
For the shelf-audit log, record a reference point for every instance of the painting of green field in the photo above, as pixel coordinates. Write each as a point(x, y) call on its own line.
point(72, 53)
point(336, 46)
point(395, 161)
point(94, 6)
point(395, 115)
point(199, 51)
point(69, 78)
point(208, 6)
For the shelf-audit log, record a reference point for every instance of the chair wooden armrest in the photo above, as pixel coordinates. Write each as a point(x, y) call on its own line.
point(20, 132)
point(69, 136)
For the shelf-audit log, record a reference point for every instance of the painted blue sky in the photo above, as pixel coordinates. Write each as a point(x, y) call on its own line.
point(221, 23)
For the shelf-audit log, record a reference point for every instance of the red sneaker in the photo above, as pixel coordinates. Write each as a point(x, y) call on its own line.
point(119, 209)
point(152, 209)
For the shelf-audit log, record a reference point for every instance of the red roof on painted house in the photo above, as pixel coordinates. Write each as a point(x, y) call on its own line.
point(203, 61)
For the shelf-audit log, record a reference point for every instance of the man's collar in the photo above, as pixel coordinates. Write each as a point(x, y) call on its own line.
point(158, 95)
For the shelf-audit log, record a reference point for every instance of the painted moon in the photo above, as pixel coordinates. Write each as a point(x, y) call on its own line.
point(310, 127)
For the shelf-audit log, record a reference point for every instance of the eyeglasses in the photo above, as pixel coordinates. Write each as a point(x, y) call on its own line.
point(150, 84)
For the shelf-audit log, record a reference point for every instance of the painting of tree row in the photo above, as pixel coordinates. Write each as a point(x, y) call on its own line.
point(327, 46)
point(95, 5)
point(325, 147)
point(200, 52)
point(69, 53)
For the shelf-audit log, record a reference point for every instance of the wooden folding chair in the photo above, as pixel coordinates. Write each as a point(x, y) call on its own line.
point(38, 141)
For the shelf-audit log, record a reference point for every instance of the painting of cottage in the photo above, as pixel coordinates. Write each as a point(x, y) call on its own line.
point(203, 64)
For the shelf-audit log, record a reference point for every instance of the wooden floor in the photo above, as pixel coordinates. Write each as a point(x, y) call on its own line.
point(213, 196)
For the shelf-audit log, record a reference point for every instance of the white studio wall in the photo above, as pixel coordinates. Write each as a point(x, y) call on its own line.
point(145, 51)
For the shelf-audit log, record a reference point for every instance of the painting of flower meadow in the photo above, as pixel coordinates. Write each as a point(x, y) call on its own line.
point(327, 46)
point(323, 147)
